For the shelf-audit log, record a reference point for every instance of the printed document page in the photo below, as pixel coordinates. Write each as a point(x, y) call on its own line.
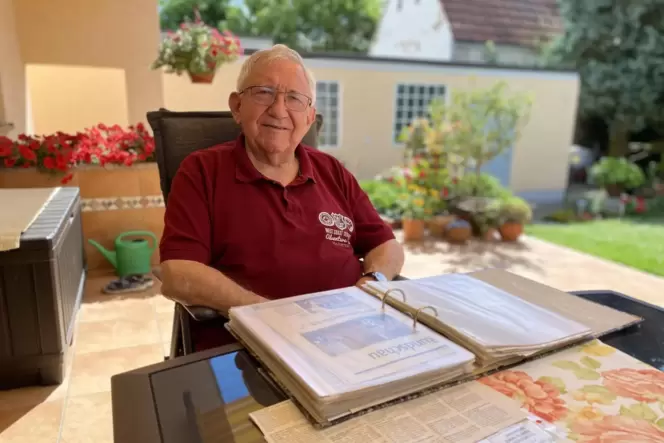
point(485, 314)
point(465, 413)
point(340, 341)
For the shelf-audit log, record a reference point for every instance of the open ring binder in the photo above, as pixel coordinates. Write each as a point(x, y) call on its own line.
point(387, 294)
point(417, 313)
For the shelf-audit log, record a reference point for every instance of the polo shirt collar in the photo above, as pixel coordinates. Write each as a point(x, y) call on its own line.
point(246, 172)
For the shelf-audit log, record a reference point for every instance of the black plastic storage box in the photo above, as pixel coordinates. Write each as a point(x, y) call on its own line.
point(41, 286)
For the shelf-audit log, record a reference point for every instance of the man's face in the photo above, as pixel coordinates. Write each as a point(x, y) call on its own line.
point(273, 106)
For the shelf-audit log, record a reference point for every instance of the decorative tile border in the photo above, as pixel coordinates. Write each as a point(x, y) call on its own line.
point(117, 203)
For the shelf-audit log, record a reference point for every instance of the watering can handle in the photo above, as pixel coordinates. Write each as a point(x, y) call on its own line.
point(140, 234)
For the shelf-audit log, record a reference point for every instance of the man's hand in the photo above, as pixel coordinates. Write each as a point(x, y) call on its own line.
point(363, 280)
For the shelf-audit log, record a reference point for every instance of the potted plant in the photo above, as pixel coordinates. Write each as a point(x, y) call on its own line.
point(458, 231)
point(384, 196)
point(616, 175)
point(486, 222)
point(414, 203)
point(197, 49)
point(514, 213)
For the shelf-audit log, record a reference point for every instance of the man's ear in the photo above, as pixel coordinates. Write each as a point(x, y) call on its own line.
point(311, 116)
point(234, 102)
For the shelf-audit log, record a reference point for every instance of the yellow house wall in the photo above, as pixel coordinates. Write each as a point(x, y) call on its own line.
point(367, 106)
point(99, 53)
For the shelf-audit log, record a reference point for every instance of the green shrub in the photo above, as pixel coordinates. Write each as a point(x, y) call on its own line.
point(483, 185)
point(384, 195)
point(515, 209)
point(617, 171)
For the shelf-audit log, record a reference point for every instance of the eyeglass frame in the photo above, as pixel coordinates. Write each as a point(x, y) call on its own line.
point(276, 94)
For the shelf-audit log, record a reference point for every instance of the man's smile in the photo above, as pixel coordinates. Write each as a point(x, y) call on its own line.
point(277, 127)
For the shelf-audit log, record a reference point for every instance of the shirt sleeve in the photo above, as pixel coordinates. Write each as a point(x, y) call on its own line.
point(187, 219)
point(371, 230)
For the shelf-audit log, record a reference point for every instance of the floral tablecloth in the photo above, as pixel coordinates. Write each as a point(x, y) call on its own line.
point(592, 393)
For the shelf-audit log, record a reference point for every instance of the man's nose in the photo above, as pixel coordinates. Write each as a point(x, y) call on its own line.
point(278, 107)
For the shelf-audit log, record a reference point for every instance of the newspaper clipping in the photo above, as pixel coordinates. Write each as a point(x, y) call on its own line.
point(466, 413)
point(326, 331)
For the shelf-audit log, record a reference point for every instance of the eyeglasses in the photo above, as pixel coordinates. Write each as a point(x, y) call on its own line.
point(264, 95)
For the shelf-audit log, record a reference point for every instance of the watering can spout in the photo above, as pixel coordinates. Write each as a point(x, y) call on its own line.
point(111, 256)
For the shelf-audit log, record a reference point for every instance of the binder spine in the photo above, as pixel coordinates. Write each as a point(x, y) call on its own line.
point(387, 294)
point(417, 313)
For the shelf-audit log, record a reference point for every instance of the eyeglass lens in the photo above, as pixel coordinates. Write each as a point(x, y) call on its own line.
point(266, 96)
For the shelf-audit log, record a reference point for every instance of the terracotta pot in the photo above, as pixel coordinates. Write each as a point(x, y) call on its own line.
point(510, 231)
point(438, 224)
point(207, 77)
point(614, 190)
point(413, 230)
point(459, 231)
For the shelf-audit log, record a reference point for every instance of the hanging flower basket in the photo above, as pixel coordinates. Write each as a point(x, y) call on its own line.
point(197, 49)
point(208, 77)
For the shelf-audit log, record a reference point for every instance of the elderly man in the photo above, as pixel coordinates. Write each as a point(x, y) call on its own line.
point(264, 216)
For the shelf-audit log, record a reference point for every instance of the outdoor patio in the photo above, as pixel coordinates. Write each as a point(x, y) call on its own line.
point(119, 333)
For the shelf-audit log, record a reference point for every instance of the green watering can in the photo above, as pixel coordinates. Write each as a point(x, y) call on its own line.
point(131, 257)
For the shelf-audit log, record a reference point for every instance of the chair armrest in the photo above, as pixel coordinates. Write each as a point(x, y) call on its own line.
point(200, 313)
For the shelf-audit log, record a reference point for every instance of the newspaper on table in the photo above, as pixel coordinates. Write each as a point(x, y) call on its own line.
point(468, 413)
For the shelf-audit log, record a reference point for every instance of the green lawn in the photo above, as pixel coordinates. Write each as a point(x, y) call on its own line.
point(638, 243)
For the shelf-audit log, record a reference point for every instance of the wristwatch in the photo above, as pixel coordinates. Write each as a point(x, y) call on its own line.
point(375, 275)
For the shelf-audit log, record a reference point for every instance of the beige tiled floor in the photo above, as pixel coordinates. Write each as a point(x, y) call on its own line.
point(117, 334)
point(114, 334)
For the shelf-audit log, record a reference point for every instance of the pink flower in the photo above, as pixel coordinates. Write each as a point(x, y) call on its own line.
point(539, 397)
point(646, 385)
point(616, 429)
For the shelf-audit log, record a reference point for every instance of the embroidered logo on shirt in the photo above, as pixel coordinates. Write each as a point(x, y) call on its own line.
point(338, 227)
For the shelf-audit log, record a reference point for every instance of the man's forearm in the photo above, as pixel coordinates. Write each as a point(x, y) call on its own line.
point(194, 283)
point(387, 259)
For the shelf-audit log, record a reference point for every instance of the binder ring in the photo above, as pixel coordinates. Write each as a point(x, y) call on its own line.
point(417, 313)
point(387, 294)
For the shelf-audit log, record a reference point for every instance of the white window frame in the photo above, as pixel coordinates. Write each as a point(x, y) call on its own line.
point(326, 112)
point(445, 96)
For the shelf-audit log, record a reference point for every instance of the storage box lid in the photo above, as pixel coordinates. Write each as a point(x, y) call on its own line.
point(53, 221)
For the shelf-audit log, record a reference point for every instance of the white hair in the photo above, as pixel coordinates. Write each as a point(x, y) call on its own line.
point(276, 52)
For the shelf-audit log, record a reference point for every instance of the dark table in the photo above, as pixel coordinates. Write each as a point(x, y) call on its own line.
point(206, 397)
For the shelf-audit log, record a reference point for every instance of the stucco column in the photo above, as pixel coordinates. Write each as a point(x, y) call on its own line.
point(12, 74)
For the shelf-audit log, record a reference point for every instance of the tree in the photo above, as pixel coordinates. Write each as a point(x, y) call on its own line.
point(309, 25)
point(617, 46)
point(174, 12)
point(478, 124)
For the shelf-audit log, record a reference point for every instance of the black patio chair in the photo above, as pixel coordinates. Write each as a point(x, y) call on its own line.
point(178, 134)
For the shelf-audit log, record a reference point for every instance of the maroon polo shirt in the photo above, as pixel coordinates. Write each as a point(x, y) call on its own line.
point(277, 241)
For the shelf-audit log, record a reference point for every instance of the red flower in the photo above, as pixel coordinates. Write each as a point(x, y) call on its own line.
point(27, 153)
point(66, 179)
point(5, 147)
point(10, 162)
point(49, 163)
point(445, 192)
